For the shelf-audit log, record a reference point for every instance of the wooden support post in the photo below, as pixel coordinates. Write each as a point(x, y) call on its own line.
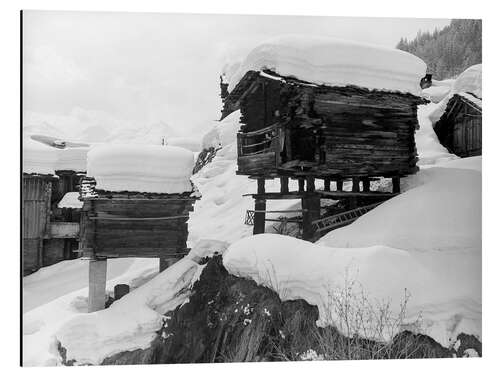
point(97, 284)
point(261, 186)
point(327, 184)
point(301, 184)
point(355, 184)
point(310, 184)
point(366, 184)
point(340, 184)
point(167, 262)
point(311, 205)
point(120, 291)
point(396, 185)
point(284, 185)
point(259, 219)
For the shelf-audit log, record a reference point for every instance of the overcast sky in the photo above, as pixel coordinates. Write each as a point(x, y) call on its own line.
point(115, 70)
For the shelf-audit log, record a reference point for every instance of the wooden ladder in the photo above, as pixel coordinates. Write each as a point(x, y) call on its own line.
point(330, 223)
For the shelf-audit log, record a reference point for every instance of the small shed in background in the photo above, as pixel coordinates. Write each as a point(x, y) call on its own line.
point(460, 127)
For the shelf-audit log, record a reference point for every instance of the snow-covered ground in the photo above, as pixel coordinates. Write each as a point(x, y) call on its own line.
point(335, 62)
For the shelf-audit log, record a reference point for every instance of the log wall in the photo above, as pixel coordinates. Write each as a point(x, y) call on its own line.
point(328, 132)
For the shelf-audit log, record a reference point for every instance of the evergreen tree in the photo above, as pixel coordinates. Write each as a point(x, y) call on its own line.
point(449, 51)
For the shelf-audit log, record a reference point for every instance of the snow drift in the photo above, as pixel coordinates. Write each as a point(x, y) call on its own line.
point(318, 274)
point(336, 62)
point(152, 169)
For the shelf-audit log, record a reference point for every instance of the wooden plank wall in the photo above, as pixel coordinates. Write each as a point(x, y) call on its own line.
point(36, 215)
point(111, 227)
point(355, 131)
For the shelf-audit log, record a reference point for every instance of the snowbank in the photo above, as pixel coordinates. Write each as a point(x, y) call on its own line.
point(143, 168)
point(223, 133)
point(336, 62)
point(470, 81)
point(444, 287)
point(38, 157)
point(128, 324)
point(442, 212)
point(56, 294)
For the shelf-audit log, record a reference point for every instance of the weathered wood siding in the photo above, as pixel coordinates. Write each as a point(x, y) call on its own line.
point(36, 215)
point(326, 131)
point(460, 127)
point(136, 227)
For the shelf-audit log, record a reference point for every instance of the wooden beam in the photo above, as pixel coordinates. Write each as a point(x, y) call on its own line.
point(311, 207)
point(366, 184)
point(340, 184)
point(63, 229)
point(396, 185)
point(326, 184)
point(301, 184)
point(310, 184)
point(259, 221)
point(355, 184)
point(261, 186)
point(97, 284)
point(284, 185)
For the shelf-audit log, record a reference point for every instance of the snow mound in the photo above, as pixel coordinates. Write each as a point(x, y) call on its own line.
point(223, 133)
point(143, 168)
point(38, 157)
point(129, 323)
point(320, 275)
point(442, 213)
point(336, 62)
point(470, 81)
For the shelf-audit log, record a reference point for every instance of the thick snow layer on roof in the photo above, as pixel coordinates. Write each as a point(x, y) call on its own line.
point(336, 62)
point(444, 288)
point(224, 132)
point(38, 157)
point(70, 200)
point(470, 81)
point(141, 168)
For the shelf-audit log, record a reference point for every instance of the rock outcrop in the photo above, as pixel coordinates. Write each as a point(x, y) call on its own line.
point(230, 319)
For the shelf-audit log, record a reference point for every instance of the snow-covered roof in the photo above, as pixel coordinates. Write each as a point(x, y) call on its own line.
point(470, 81)
point(70, 200)
point(141, 168)
point(335, 62)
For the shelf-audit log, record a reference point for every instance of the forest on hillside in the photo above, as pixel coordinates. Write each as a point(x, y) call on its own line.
point(449, 51)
